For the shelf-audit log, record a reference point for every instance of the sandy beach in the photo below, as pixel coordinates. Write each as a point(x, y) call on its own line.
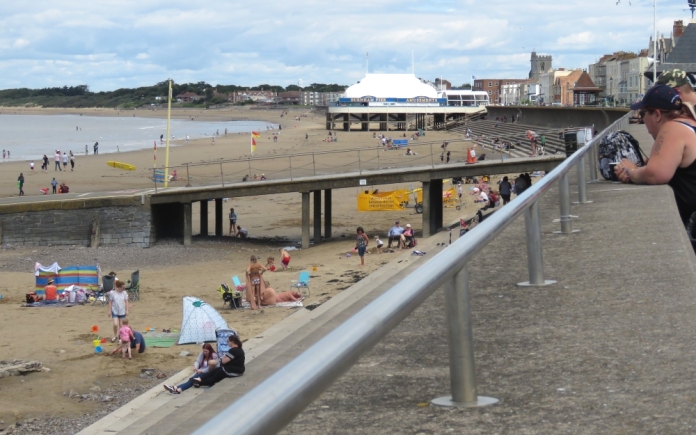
point(169, 270)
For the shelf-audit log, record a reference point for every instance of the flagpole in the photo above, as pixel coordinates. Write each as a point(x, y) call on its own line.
point(166, 154)
point(154, 165)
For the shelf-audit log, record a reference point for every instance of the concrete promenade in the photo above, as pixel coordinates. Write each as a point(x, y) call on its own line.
point(609, 349)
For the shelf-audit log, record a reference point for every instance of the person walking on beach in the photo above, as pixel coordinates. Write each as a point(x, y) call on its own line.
point(20, 184)
point(233, 223)
point(57, 158)
point(65, 161)
point(3, 154)
point(96, 148)
point(187, 138)
point(44, 165)
point(54, 184)
point(31, 166)
point(361, 244)
point(86, 150)
point(72, 161)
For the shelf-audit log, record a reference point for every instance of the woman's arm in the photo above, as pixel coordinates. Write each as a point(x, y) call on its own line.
point(198, 362)
point(666, 156)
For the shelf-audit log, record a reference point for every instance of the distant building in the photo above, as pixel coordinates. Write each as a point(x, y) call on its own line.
point(257, 96)
point(494, 87)
point(187, 97)
point(683, 54)
point(539, 65)
point(313, 98)
point(442, 85)
point(292, 97)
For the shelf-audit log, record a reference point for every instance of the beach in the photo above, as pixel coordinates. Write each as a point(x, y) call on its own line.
point(61, 337)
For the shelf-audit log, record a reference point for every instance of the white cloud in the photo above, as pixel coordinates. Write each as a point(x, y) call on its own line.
point(116, 43)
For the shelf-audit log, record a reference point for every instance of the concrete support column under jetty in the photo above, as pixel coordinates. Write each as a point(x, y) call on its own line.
point(305, 220)
point(218, 217)
point(432, 207)
point(188, 223)
point(204, 217)
point(327, 214)
point(317, 217)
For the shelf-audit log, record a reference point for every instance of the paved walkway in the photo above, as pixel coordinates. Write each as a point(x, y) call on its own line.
point(609, 349)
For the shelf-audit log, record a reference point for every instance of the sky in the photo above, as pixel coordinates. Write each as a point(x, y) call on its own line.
point(112, 44)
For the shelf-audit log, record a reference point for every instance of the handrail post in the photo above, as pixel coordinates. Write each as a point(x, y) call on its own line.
point(290, 160)
point(564, 200)
point(314, 166)
point(582, 185)
point(249, 168)
point(592, 156)
point(222, 177)
point(535, 256)
point(359, 165)
point(378, 166)
point(461, 346)
point(188, 179)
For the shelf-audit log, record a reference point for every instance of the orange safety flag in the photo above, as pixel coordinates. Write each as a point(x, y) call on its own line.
point(253, 145)
point(255, 134)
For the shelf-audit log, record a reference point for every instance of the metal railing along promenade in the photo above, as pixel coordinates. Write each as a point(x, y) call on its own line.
point(275, 402)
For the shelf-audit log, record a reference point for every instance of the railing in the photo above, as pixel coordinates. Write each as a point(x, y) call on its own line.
point(319, 163)
point(275, 402)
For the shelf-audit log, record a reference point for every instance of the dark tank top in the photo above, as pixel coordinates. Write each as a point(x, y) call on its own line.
point(683, 183)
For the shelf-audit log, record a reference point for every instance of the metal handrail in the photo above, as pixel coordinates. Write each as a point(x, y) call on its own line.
point(275, 402)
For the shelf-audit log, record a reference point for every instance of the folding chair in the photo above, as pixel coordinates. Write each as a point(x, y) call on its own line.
point(101, 294)
point(133, 287)
point(302, 283)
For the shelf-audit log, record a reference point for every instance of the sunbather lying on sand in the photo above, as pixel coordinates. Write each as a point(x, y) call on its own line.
point(270, 297)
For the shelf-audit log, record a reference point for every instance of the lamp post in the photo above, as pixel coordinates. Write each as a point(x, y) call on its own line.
point(655, 40)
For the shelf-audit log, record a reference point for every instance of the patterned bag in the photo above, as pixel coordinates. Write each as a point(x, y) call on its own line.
point(613, 148)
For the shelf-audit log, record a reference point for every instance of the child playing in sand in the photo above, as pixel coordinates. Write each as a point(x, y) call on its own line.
point(379, 244)
point(269, 264)
point(286, 258)
point(126, 334)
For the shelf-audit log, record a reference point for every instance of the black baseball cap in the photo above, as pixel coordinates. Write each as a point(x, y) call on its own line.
point(661, 97)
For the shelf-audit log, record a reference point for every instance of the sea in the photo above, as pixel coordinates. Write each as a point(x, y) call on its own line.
point(29, 137)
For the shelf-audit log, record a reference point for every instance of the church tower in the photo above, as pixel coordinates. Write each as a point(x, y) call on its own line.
point(539, 64)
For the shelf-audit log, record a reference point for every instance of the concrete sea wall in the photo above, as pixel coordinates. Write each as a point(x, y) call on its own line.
point(120, 221)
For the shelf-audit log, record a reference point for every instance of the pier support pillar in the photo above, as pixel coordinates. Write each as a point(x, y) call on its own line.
point(346, 122)
point(188, 227)
point(305, 220)
point(317, 217)
point(204, 217)
point(383, 122)
point(218, 217)
point(432, 207)
point(327, 214)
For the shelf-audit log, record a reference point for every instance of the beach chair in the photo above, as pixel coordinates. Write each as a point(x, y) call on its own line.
point(101, 295)
point(237, 284)
point(133, 287)
point(301, 284)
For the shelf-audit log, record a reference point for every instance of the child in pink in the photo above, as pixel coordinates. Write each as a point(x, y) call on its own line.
point(125, 334)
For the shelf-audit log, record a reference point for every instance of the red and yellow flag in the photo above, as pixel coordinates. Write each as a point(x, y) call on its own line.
point(253, 145)
point(255, 134)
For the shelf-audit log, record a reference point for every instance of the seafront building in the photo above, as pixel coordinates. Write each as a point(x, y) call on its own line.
point(402, 102)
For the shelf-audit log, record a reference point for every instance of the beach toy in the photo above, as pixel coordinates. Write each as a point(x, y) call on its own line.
point(314, 269)
point(96, 342)
point(98, 349)
point(103, 340)
point(152, 329)
point(95, 328)
point(347, 254)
